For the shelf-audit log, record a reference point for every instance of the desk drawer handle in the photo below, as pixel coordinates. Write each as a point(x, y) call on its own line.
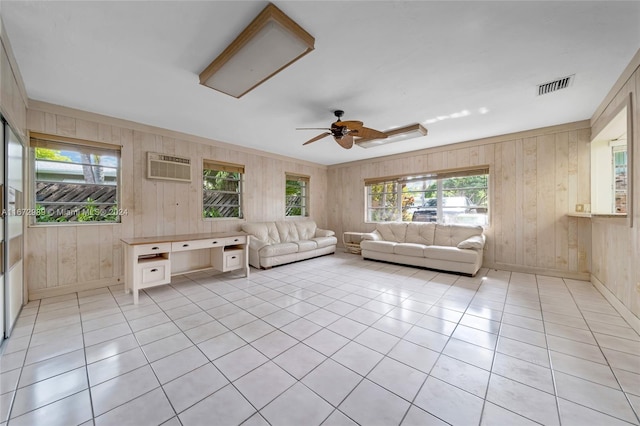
point(154, 270)
point(233, 257)
point(155, 248)
point(215, 242)
point(185, 245)
point(236, 240)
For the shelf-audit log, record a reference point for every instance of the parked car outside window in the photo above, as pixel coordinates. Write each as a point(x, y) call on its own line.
point(451, 207)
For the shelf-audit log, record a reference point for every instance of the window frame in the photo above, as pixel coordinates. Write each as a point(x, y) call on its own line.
point(399, 211)
point(220, 166)
point(304, 207)
point(55, 142)
point(617, 129)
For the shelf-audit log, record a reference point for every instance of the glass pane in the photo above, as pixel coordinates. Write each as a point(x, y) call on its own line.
point(221, 194)
point(74, 184)
point(620, 183)
point(295, 198)
point(461, 200)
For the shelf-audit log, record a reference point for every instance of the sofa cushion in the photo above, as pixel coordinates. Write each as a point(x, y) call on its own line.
point(265, 231)
point(325, 241)
point(288, 231)
point(421, 233)
point(452, 254)
point(392, 231)
point(409, 249)
point(306, 229)
point(381, 246)
point(278, 249)
point(476, 243)
point(452, 235)
point(306, 245)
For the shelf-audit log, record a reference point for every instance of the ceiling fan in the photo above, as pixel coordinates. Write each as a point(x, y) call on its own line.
point(344, 132)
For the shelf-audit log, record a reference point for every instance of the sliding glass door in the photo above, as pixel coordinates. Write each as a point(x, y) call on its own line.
point(2, 243)
point(13, 227)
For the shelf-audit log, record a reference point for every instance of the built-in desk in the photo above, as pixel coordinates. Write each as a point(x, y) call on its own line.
point(148, 261)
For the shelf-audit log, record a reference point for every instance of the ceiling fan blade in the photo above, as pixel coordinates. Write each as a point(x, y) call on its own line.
point(346, 141)
point(351, 124)
point(317, 138)
point(367, 133)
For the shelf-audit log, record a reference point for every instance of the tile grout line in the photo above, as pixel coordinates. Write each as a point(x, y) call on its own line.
point(26, 352)
point(626, 396)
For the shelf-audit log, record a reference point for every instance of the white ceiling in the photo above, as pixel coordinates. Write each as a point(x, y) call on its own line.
point(465, 70)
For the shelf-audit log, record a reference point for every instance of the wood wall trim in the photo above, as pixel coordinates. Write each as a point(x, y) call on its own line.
point(619, 84)
point(42, 293)
point(582, 276)
point(633, 320)
point(567, 127)
point(118, 122)
point(14, 65)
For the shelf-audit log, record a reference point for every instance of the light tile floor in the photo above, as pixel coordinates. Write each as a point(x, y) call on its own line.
point(335, 341)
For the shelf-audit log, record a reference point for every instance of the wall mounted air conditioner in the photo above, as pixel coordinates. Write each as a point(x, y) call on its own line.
point(168, 167)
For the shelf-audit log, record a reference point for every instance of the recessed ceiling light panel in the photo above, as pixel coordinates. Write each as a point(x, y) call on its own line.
point(395, 135)
point(270, 43)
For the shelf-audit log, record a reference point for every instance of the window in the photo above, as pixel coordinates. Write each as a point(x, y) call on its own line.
point(75, 180)
point(619, 166)
point(221, 190)
point(296, 195)
point(611, 166)
point(459, 197)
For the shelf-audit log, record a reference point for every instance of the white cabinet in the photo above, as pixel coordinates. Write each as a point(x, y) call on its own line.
point(230, 259)
point(153, 271)
point(147, 265)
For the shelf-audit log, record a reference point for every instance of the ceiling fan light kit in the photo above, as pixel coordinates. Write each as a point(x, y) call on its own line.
point(394, 135)
point(345, 132)
point(270, 43)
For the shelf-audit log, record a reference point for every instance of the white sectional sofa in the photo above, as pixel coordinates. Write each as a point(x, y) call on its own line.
point(454, 248)
point(275, 243)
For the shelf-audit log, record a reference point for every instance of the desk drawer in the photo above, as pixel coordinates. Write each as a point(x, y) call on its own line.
point(154, 273)
point(233, 259)
point(240, 239)
point(197, 244)
point(144, 249)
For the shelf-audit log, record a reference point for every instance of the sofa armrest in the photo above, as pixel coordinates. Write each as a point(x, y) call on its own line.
point(475, 243)
point(372, 236)
point(256, 244)
point(324, 233)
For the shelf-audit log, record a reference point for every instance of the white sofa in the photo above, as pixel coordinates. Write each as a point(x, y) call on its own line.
point(454, 248)
point(275, 243)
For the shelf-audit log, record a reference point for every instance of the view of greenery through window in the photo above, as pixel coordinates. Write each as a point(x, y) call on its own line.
point(221, 194)
point(460, 200)
point(296, 196)
point(75, 183)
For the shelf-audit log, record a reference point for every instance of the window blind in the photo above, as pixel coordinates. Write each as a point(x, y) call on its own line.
point(444, 174)
point(224, 167)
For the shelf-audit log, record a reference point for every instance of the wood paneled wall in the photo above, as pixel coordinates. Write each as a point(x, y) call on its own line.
point(13, 96)
point(67, 258)
point(616, 243)
point(535, 178)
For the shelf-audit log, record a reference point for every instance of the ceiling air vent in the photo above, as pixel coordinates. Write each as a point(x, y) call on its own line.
point(168, 167)
point(553, 86)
